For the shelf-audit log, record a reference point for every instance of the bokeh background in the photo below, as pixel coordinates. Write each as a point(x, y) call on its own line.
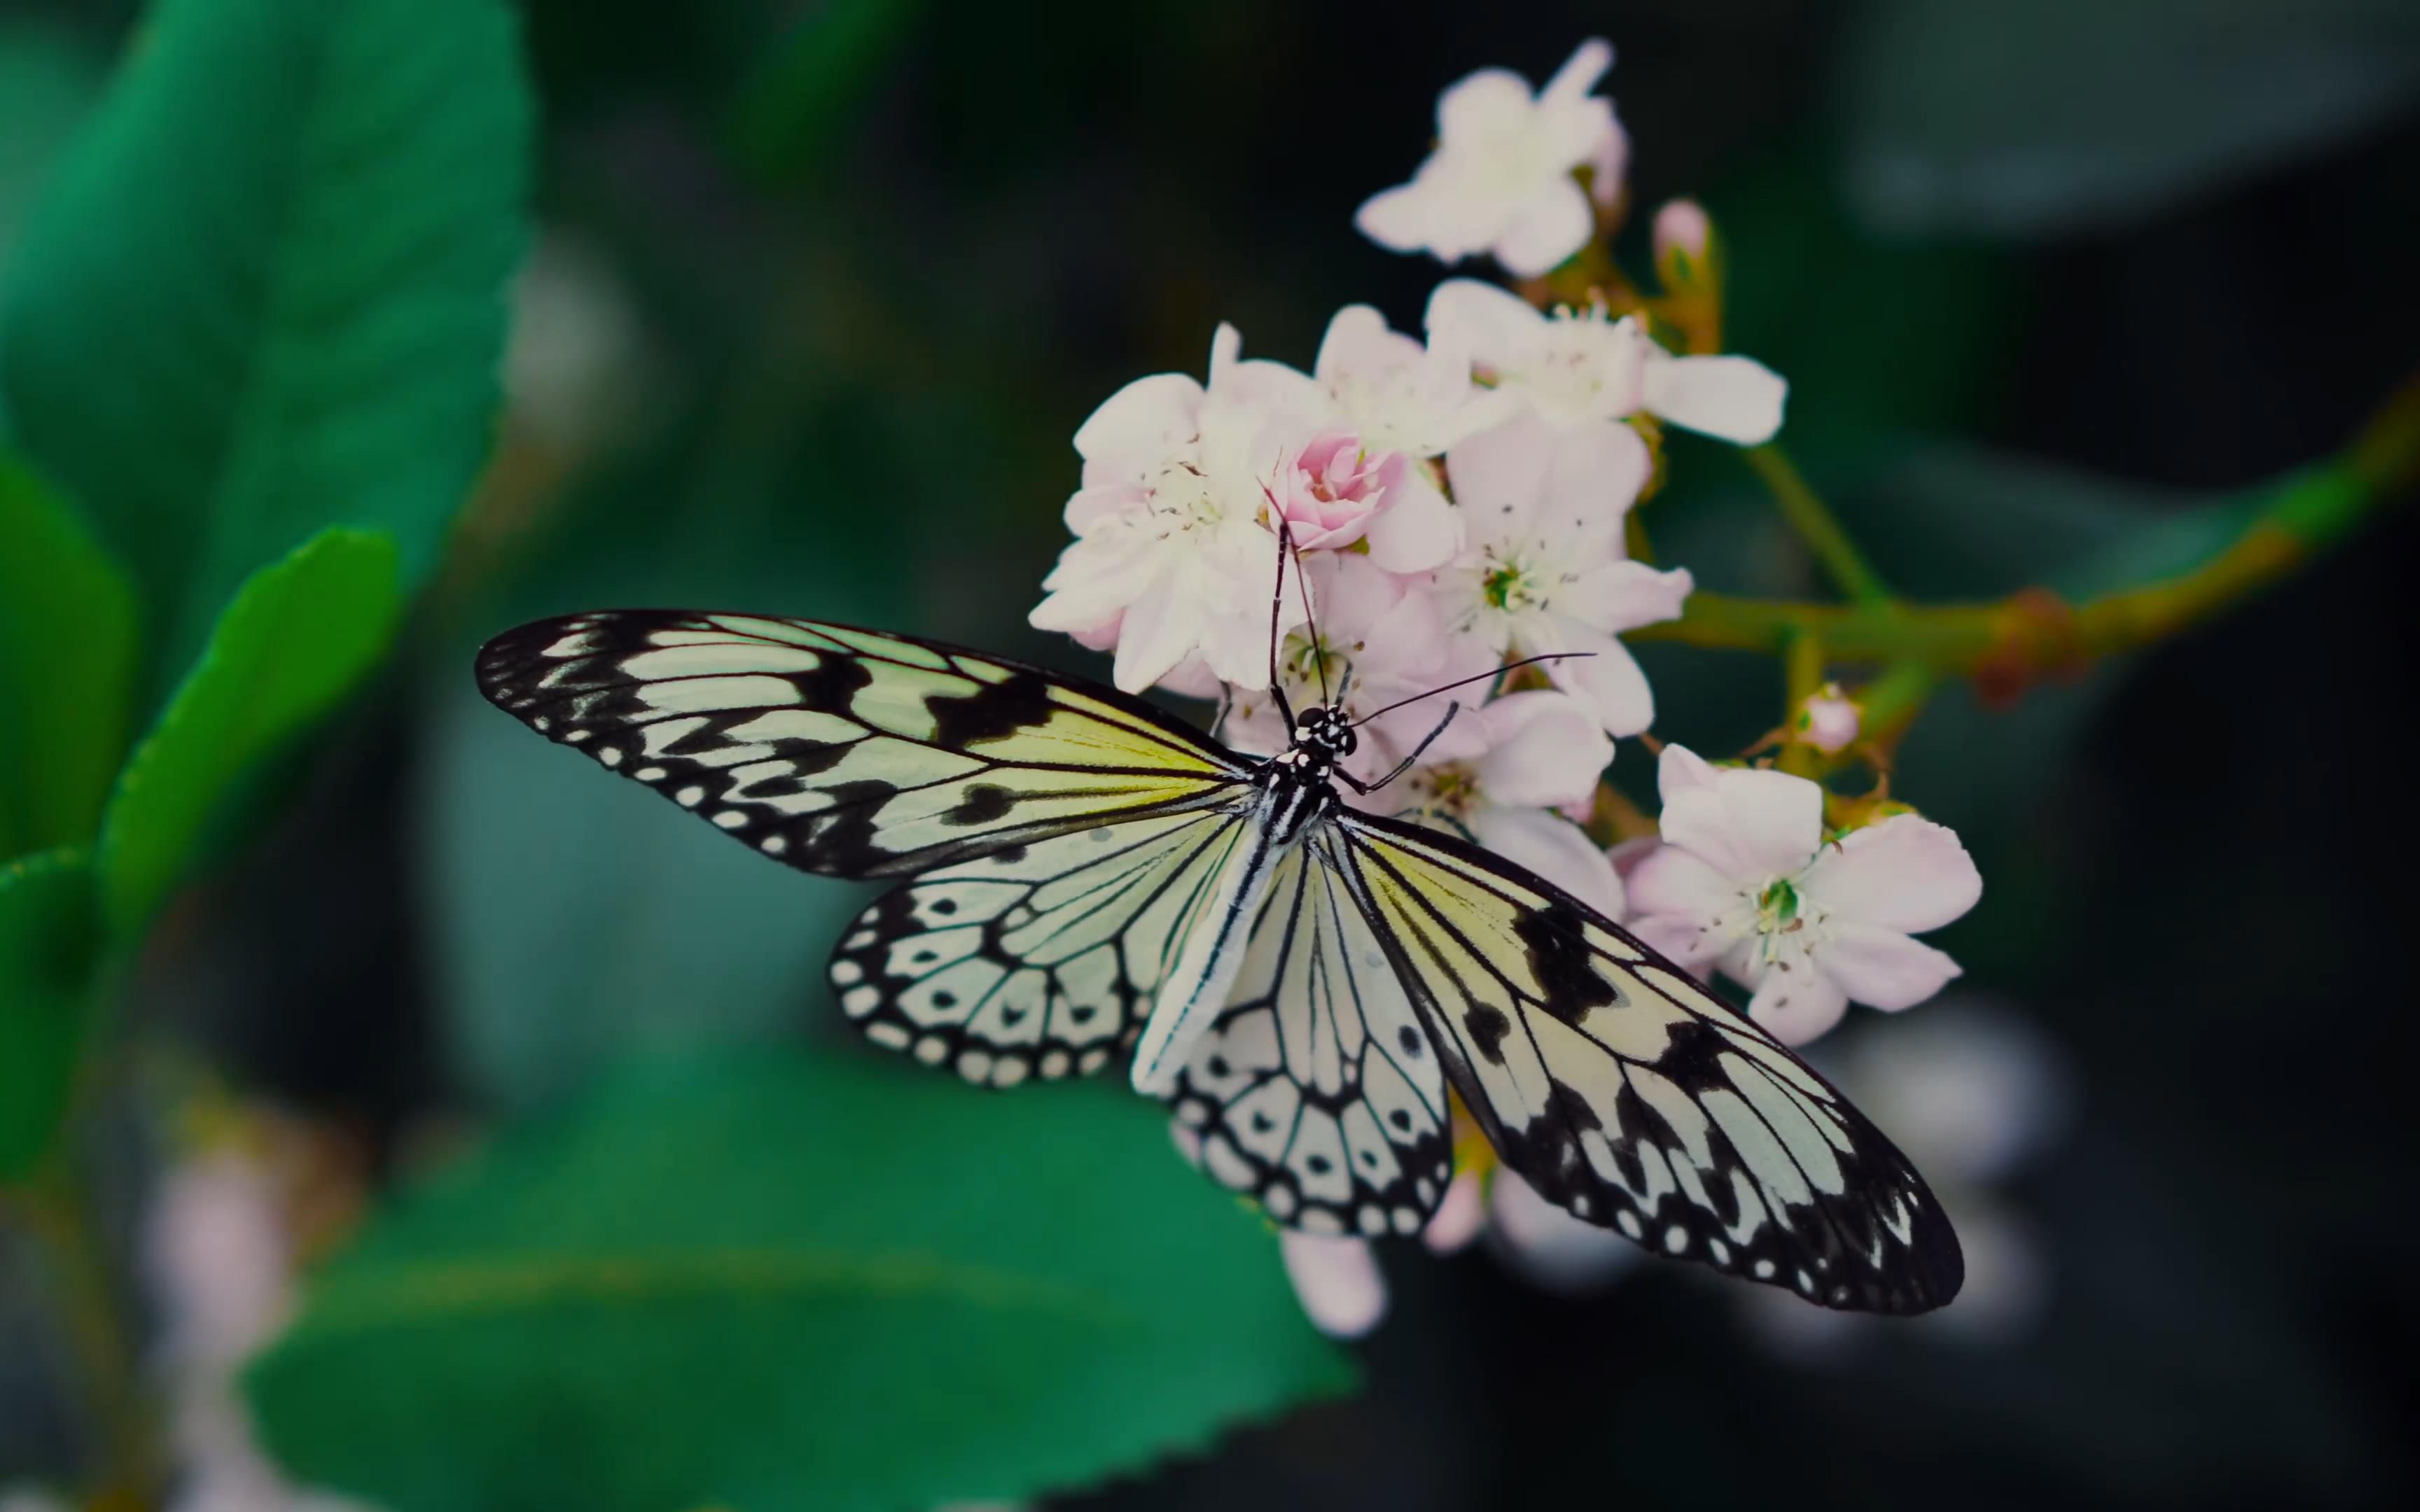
point(815, 295)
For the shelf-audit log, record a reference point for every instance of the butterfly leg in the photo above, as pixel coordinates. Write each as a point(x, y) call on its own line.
point(1406, 764)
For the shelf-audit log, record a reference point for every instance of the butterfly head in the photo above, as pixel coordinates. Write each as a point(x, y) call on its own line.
point(1322, 734)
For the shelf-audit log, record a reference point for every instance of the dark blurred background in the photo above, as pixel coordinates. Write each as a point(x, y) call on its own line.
point(819, 294)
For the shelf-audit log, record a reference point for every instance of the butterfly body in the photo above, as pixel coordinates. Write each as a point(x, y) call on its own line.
point(1301, 981)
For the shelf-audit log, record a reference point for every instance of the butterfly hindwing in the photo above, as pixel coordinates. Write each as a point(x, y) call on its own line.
point(1619, 1086)
point(843, 751)
point(1034, 961)
point(1316, 1092)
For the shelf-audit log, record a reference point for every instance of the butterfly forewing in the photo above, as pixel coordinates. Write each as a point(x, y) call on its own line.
point(846, 751)
point(1316, 1092)
point(1034, 959)
point(1622, 1090)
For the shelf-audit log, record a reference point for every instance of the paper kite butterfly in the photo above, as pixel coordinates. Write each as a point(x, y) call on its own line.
point(1087, 876)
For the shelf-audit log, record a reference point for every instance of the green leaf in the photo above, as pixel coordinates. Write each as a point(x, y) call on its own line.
point(782, 117)
point(47, 80)
point(296, 639)
point(68, 664)
point(772, 1282)
point(48, 944)
point(263, 292)
point(2057, 117)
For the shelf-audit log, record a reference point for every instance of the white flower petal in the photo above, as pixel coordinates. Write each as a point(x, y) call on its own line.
point(1883, 968)
point(1544, 751)
point(1396, 218)
point(1904, 873)
point(1500, 476)
point(1360, 344)
point(1595, 477)
point(1736, 398)
point(1795, 1003)
point(1606, 678)
point(1676, 897)
point(1143, 423)
point(1488, 323)
point(1336, 1282)
point(1549, 226)
point(1750, 825)
point(1459, 1216)
point(1419, 530)
point(1556, 848)
point(1158, 633)
point(1624, 595)
point(1491, 103)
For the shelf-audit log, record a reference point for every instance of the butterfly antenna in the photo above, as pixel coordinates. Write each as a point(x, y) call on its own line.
point(1276, 607)
point(1465, 682)
point(1318, 650)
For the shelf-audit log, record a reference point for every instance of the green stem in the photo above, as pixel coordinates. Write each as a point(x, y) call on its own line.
point(1802, 671)
point(91, 1305)
point(2012, 642)
point(1815, 524)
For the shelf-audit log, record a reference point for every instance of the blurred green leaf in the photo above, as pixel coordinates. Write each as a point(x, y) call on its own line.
point(298, 637)
point(47, 80)
point(47, 941)
point(68, 664)
point(782, 118)
point(775, 1283)
point(2064, 115)
point(264, 291)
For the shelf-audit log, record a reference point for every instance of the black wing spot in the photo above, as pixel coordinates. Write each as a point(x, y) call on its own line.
point(1400, 1118)
point(1488, 1028)
point(1261, 1123)
point(1565, 966)
point(988, 713)
point(984, 803)
point(1316, 1165)
point(945, 999)
point(945, 906)
point(1410, 1039)
point(1216, 1066)
point(1009, 855)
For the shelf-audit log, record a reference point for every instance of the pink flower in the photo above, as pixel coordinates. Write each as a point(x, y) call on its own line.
point(1337, 1281)
point(1682, 229)
point(1745, 881)
point(1329, 489)
point(1579, 368)
point(1828, 721)
point(1501, 178)
point(1545, 569)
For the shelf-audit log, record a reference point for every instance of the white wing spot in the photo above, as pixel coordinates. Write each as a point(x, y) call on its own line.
point(1093, 1059)
point(731, 819)
point(1280, 1201)
point(773, 844)
point(573, 737)
point(861, 1000)
point(649, 774)
point(1676, 1239)
point(1764, 1269)
point(1627, 1221)
point(609, 756)
point(888, 1036)
point(844, 972)
point(974, 1065)
point(1372, 1219)
point(1054, 1064)
point(1010, 1071)
point(932, 1050)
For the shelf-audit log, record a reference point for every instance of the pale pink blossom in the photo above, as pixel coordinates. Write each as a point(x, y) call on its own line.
point(1397, 393)
point(1828, 721)
point(1581, 367)
point(1543, 565)
point(1337, 1281)
point(1511, 774)
point(1501, 177)
point(1461, 1215)
point(1382, 638)
point(1681, 228)
point(1746, 882)
point(1328, 488)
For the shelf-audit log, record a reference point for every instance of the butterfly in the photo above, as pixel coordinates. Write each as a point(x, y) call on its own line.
point(1085, 876)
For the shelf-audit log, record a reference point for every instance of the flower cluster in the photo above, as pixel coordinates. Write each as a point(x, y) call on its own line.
point(1460, 501)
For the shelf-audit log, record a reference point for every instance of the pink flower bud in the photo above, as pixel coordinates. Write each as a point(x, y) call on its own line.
point(1682, 232)
point(1828, 721)
point(1329, 490)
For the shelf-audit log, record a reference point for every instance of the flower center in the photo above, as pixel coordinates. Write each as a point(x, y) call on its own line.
point(1447, 791)
point(1786, 924)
